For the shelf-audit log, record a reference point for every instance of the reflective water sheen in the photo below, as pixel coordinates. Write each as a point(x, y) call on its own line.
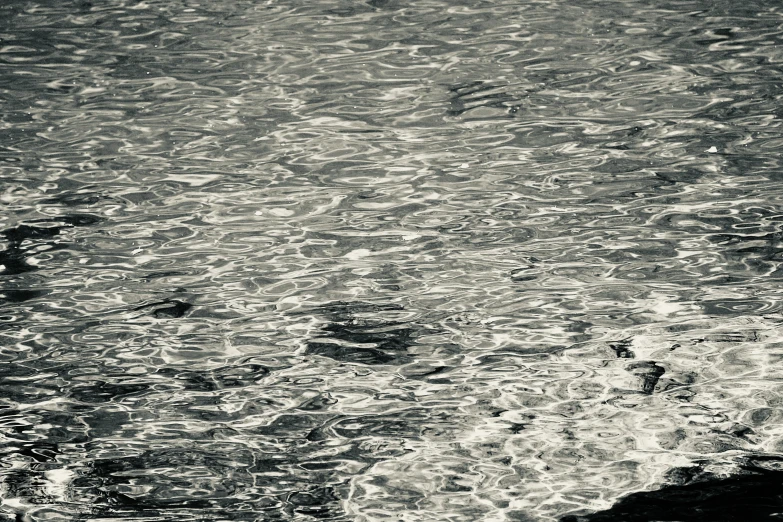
point(464, 260)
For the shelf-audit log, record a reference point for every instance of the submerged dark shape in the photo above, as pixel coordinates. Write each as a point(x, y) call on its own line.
point(24, 238)
point(342, 309)
point(649, 373)
point(14, 257)
point(118, 503)
point(39, 451)
point(755, 494)
point(20, 296)
point(518, 275)
point(408, 424)
point(155, 275)
point(318, 502)
point(351, 354)
point(320, 402)
point(367, 341)
point(69, 198)
point(475, 94)
point(679, 176)
point(168, 308)
point(387, 335)
point(103, 391)
point(759, 253)
point(77, 220)
point(19, 233)
point(203, 481)
point(622, 348)
point(766, 246)
point(219, 378)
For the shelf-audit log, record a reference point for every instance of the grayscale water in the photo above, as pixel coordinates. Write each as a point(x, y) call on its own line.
point(435, 260)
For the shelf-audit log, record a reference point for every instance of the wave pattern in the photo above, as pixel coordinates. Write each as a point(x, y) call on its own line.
point(343, 260)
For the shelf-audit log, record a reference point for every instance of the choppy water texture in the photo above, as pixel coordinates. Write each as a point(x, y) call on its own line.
point(388, 260)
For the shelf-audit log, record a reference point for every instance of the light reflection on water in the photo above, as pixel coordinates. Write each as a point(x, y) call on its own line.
point(386, 261)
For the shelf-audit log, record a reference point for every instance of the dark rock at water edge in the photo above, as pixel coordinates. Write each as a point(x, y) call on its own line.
point(754, 494)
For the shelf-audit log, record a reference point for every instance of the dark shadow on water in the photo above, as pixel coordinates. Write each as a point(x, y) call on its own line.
point(70, 199)
point(754, 494)
point(14, 257)
point(166, 309)
point(467, 96)
point(20, 295)
point(349, 338)
point(172, 495)
point(26, 240)
point(648, 373)
point(217, 379)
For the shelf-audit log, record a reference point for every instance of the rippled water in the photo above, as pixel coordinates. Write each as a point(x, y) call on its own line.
point(387, 260)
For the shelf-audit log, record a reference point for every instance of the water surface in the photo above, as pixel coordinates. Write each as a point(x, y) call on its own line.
point(389, 260)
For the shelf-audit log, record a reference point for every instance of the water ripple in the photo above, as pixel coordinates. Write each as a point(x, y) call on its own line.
point(372, 260)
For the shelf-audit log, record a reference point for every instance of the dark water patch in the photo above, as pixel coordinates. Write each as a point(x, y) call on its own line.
point(14, 257)
point(717, 35)
point(423, 372)
point(729, 307)
point(20, 296)
point(105, 391)
point(157, 275)
point(38, 451)
point(383, 4)
point(162, 458)
point(70, 199)
point(241, 375)
point(622, 166)
point(387, 335)
point(60, 88)
point(754, 494)
point(166, 309)
point(121, 504)
point(28, 485)
point(410, 424)
point(25, 240)
point(648, 372)
point(175, 480)
point(233, 376)
point(387, 346)
point(20, 233)
point(320, 402)
point(520, 275)
point(682, 380)
point(733, 337)
point(210, 478)
point(350, 337)
point(345, 12)
point(99, 420)
point(622, 348)
point(354, 354)
point(685, 175)
point(26, 390)
point(759, 252)
point(468, 96)
point(347, 309)
point(78, 220)
point(767, 246)
point(10, 370)
point(318, 502)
